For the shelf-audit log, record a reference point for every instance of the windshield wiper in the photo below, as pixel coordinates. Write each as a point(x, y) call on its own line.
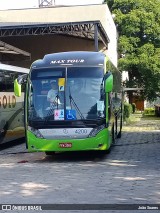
point(72, 101)
point(57, 100)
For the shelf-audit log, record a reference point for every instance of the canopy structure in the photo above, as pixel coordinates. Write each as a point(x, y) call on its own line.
point(64, 28)
point(11, 53)
point(89, 29)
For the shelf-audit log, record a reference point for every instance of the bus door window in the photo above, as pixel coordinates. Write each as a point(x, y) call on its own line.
point(30, 101)
point(116, 102)
point(109, 105)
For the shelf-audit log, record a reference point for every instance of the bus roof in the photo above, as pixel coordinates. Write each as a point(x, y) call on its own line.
point(74, 58)
point(13, 68)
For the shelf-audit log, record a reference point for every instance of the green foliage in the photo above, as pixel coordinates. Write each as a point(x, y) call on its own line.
point(138, 24)
point(127, 110)
point(149, 111)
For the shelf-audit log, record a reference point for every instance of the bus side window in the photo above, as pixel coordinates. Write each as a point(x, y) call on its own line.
point(109, 106)
point(31, 97)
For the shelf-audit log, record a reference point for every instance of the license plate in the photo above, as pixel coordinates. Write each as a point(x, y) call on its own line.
point(65, 145)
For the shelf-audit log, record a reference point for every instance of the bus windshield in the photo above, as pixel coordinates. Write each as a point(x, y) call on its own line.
point(68, 93)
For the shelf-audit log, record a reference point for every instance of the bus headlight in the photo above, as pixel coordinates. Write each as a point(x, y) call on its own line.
point(36, 132)
point(96, 130)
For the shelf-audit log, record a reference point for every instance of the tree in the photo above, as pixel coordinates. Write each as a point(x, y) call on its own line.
point(138, 25)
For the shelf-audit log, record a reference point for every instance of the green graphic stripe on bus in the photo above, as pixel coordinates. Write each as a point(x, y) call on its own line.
point(102, 141)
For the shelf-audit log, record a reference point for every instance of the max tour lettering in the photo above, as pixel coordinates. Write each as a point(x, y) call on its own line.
point(69, 61)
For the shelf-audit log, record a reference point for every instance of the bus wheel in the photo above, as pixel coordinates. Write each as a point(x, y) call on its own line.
point(49, 153)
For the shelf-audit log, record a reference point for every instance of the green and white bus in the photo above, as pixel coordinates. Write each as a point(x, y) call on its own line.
point(86, 113)
point(11, 107)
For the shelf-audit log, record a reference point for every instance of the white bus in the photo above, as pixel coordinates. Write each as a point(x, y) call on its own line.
point(11, 107)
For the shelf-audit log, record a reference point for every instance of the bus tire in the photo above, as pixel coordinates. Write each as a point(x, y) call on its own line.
point(108, 150)
point(49, 153)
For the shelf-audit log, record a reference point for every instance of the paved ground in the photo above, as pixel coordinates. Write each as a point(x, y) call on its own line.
point(130, 174)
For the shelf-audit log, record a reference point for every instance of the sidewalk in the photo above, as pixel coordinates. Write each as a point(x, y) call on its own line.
point(143, 123)
point(141, 130)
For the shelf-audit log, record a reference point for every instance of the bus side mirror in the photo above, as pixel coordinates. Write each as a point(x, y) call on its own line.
point(108, 82)
point(17, 88)
point(17, 84)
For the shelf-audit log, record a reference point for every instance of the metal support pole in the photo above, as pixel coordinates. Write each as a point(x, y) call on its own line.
point(96, 37)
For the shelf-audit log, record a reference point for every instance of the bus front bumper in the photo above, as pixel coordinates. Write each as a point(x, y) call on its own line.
point(101, 141)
